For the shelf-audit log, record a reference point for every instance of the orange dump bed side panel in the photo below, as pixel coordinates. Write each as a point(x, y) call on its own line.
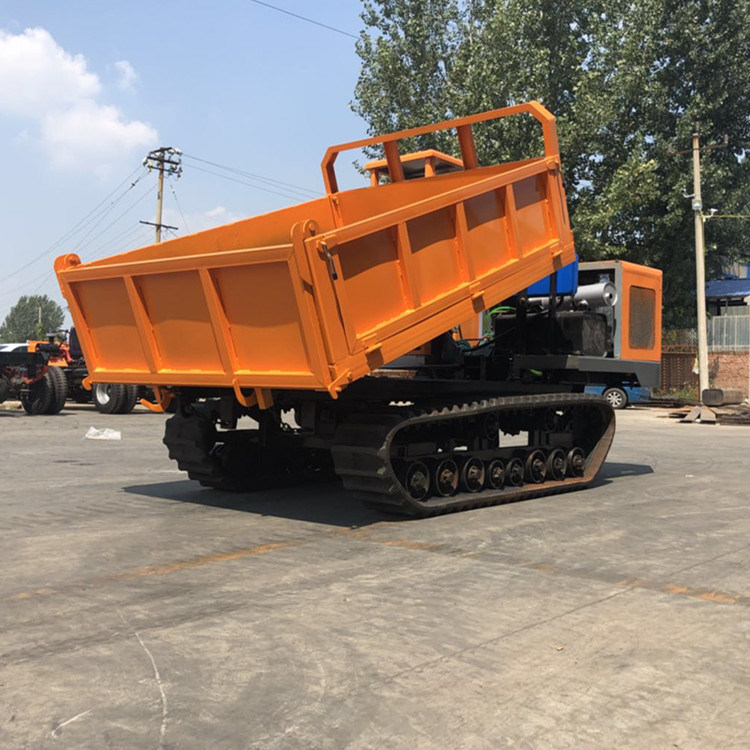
point(320, 294)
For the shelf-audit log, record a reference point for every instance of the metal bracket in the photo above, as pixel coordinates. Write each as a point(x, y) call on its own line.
point(323, 248)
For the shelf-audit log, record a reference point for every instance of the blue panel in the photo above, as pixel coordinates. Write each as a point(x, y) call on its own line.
point(567, 282)
point(728, 289)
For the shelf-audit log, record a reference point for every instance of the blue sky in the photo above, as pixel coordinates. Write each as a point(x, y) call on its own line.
point(87, 88)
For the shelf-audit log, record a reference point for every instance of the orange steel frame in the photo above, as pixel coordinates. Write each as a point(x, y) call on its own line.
point(368, 275)
point(431, 159)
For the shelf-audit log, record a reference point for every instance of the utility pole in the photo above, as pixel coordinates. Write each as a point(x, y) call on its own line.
point(164, 159)
point(700, 258)
point(700, 267)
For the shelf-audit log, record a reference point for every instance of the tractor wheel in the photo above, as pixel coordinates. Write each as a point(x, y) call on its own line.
point(59, 390)
point(38, 397)
point(129, 400)
point(108, 398)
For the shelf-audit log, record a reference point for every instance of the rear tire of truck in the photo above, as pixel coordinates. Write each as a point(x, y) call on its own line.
point(37, 399)
point(108, 398)
point(616, 397)
point(129, 400)
point(59, 390)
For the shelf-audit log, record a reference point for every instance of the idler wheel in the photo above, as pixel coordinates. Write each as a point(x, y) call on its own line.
point(576, 462)
point(536, 467)
point(417, 481)
point(514, 472)
point(495, 474)
point(472, 475)
point(446, 478)
point(557, 464)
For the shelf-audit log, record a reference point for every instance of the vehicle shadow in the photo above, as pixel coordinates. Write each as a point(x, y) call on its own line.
point(326, 503)
point(614, 470)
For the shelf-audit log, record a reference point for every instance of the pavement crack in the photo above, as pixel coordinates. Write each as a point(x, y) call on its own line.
point(157, 678)
point(503, 636)
point(711, 559)
point(56, 731)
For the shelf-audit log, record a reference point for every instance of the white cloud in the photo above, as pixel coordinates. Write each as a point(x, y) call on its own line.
point(37, 75)
point(89, 135)
point(127, 75)
point(217, 216)
point(58, 96)
point(190, 223)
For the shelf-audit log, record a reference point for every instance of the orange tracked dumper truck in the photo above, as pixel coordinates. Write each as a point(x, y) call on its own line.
point(343, 313)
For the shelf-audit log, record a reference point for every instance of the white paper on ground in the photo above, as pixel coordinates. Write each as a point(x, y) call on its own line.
point(105, 434)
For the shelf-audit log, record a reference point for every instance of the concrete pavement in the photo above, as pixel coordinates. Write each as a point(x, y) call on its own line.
point(140, 611)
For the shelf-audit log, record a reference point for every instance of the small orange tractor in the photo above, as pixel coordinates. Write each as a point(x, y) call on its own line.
point(43, 375)
point(25, 374)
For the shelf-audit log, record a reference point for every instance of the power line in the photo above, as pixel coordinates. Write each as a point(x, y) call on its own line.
point(46, 275)
point(179, 207)
point(248, 184)
point(77, 227)
point(305, 18)
point(150, 190)
point(250, 175)
point(123, 238)
point(109, 208)
point(131, 234)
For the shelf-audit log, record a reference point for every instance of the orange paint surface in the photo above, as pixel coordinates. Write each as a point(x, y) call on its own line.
point(302, 297)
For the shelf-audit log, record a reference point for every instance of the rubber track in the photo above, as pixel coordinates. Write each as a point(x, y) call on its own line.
point(190, 442)
point(362, 455)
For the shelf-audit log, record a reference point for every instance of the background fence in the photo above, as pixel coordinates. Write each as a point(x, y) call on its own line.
point(728, 355)
point(729, 333)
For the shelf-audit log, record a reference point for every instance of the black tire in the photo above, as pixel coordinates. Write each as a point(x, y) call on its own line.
point(108, 398)
point(59, 390)
point(616, 397)
point(38, 397)
point(129, 400)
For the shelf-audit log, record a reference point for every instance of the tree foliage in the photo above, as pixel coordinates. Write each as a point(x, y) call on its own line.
point(32, 317)
point(627, 81)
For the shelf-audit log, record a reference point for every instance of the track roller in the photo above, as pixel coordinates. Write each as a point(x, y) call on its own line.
point(446, 478)
point(514, 472)
point(536, 467)
point(495, 474)
point(557, 464)
point(472, 475)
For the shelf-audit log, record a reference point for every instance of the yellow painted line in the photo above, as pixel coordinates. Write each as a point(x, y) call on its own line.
point(365, 534)
point(166, 569)
point(409, 544)
point(201, 560)
point(194, 562)
point(675, 589)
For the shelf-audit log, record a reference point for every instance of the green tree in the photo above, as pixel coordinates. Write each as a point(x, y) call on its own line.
point(31, 318)
point(627, 82)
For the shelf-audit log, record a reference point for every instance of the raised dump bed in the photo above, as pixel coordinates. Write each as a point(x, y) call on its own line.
point(320, 294)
